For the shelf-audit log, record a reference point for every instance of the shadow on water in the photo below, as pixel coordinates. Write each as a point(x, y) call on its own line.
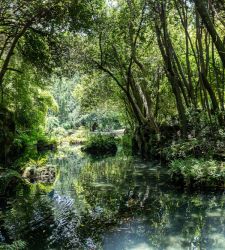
point(116, 203)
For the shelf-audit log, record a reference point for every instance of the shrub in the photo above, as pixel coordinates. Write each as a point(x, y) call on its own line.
point(182, 149)
point(198, 171)
point(9, 179)
point(100, 144)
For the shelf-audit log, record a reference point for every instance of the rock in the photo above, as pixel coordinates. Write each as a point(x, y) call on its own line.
point(30, 173)
point(45, 174)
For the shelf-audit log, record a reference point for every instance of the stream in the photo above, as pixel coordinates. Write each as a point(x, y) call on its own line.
point(114, 203)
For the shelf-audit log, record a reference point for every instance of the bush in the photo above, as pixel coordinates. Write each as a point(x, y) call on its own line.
point(30, 138)
point(198, 172)
point(126, 143)
point(183, 149)
point(100, 145)
point(9, 180)
point(210, 146)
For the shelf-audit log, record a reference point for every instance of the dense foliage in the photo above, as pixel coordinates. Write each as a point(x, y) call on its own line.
point(100, 145)
point(34, 47)
point(155, 68)
point(198, 172)
point(76, 72)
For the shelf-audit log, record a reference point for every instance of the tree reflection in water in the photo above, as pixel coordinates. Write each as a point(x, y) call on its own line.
point(114, 203)
point(148, 211)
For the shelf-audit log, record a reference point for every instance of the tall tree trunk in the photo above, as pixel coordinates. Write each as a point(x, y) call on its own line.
point(172, 79)
point(202, 68)
point(203, 12)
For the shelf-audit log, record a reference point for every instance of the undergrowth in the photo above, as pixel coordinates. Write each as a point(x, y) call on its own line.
point(198, 171)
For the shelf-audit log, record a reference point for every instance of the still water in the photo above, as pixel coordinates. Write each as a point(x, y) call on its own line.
point(116, 203)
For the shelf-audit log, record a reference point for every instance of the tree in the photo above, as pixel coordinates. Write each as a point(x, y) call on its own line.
point(34, 41)
point(203, 12)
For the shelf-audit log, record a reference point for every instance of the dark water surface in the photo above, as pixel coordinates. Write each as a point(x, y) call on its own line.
point(117, 203)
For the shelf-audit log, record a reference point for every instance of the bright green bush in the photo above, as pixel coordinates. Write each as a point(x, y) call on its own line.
point(198, 171)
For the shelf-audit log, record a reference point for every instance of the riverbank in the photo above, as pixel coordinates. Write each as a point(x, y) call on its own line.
point(191, 163)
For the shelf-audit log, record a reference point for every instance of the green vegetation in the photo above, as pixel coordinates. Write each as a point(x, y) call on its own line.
point(95, 76)
point(9, 181)
point(34, 50)
point(154, 69)
point(198, 172)
point(15, 245)
point(79, 137)
point(100, 145)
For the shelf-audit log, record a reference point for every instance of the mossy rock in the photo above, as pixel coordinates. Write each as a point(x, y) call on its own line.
point(46, 174)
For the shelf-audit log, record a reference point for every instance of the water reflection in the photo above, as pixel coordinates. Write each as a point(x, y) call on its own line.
point(150, 214)
point(113, 204)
